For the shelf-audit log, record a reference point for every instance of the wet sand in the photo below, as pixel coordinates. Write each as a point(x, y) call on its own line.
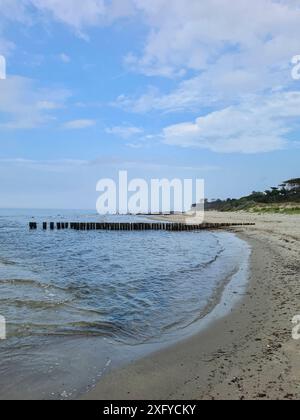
point(249, 354)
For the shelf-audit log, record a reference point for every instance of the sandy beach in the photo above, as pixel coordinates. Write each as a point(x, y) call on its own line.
point(249, 354)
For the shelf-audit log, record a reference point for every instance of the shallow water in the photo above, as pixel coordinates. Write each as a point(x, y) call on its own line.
point(79, 303)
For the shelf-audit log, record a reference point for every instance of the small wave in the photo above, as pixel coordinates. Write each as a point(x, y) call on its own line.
point(210, 262)
point(200, 266)
point(31, 282)
point(6, 262)
point(32, 304)
point(79, 328)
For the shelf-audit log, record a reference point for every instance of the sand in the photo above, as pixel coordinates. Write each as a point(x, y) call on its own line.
point(249, 354)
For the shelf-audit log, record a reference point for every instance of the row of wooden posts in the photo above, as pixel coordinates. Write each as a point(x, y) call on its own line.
point(178, 227)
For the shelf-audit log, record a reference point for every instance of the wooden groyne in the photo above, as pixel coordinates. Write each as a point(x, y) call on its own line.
point(174, 227)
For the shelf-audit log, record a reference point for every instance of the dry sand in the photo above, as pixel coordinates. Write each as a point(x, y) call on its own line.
point(249, 354)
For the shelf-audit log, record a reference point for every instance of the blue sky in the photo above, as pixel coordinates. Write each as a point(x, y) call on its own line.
point(157, 88)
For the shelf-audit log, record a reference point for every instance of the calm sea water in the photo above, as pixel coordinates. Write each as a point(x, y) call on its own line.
point(78, 304)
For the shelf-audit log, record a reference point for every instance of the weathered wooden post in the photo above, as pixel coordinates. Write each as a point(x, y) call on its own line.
point(32, 225)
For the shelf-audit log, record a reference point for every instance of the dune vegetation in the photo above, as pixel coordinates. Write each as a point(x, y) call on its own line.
point(282, 199)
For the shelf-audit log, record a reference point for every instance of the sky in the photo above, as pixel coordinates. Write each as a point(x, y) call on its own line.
point(175, 89)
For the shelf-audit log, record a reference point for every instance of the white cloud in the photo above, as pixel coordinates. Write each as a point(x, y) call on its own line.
point(218, 52)
point(125, 132)
point(61, 165)
point(220, 84)
point(79, 124)
point(84, 14)
point(75, 13)
point(180, 38)
point(232, 49)
point(65, 58)
point(192, 37)
point(64, 165)
point(10, 10)
point(24, 105)
point(239, 45)
point(252, 127)
point(6, 46)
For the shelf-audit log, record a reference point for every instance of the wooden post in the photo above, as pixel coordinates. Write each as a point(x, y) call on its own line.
point(32, 225)
point(169, 227)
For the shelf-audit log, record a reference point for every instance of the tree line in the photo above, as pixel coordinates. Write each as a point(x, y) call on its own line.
point(287, 192)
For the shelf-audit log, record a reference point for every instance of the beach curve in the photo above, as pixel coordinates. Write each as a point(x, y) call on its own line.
point(248, 354)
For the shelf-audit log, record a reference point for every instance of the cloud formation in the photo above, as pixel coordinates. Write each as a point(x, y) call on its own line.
point(251, 127)
point(81, 15)
point(79, 124)
point(124, 132)
point(24, 105)
point(232, 57)
point(260, 32)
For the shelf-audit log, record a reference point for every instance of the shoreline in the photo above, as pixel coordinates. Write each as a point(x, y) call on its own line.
point(248, 354)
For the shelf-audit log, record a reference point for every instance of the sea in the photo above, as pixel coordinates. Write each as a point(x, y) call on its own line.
point(78, 304)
